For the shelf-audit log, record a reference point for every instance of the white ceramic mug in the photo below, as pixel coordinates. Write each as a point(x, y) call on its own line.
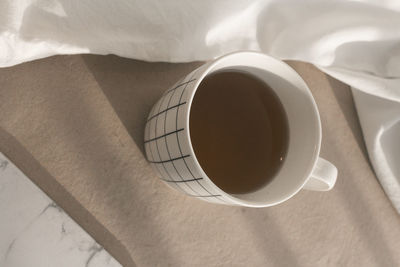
point(169, 148)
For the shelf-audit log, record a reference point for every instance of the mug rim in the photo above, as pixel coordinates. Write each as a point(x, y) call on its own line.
point(237, 200)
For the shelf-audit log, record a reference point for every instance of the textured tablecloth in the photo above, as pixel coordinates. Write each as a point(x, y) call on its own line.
point(74, 125)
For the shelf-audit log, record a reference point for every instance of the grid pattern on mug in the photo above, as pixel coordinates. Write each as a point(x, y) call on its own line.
point(165, 147)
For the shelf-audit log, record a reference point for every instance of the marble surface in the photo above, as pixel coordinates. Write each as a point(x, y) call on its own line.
point(34, 231)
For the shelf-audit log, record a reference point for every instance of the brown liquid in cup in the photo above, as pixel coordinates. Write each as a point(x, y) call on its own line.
point(239, 131)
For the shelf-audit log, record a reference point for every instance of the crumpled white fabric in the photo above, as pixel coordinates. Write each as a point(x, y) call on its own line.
point(357, 42)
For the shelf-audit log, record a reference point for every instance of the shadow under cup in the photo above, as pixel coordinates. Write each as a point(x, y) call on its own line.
point(303, 121)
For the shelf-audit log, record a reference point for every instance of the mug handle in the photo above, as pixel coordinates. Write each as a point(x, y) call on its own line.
point(323, 177)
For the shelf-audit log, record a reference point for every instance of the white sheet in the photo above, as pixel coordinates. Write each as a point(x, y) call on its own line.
point(358, 42)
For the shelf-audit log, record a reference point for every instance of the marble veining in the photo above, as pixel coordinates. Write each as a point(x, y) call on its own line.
point(35, 231)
